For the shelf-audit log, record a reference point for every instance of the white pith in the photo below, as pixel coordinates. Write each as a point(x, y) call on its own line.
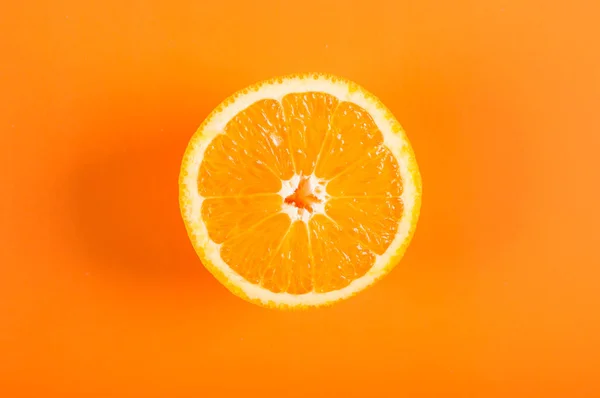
point(317, 188)
point(394, 140)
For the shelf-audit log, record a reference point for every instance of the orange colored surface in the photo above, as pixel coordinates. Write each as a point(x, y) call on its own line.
point(101, 293)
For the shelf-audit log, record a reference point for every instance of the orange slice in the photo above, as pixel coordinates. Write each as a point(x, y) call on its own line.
point(300, 191)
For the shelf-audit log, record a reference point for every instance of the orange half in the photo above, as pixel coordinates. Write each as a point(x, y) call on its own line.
point(300, 191)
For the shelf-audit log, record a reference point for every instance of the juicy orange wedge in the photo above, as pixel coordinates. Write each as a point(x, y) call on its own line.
point(300, 191)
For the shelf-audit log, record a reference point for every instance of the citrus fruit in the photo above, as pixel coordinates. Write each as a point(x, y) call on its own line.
point(300, 191)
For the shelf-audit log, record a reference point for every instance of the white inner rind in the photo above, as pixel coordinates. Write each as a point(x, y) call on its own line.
point(393, 137)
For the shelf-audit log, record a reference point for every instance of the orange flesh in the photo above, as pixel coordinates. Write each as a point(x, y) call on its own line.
point(305, 134)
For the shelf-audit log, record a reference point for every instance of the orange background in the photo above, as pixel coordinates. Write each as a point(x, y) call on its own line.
point(101, 293)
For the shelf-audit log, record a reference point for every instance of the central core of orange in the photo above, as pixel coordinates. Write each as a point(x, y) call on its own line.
point(303, 197)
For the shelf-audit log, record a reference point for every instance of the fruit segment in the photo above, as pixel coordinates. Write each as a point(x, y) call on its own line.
point(230, 216)
point(248, 253)
point(352, 133)
point(376, 174)
point(261, 131)
point(308, 116)
point(337, 257)
point(373, 221)
point(290, 270)
point(229, 170)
